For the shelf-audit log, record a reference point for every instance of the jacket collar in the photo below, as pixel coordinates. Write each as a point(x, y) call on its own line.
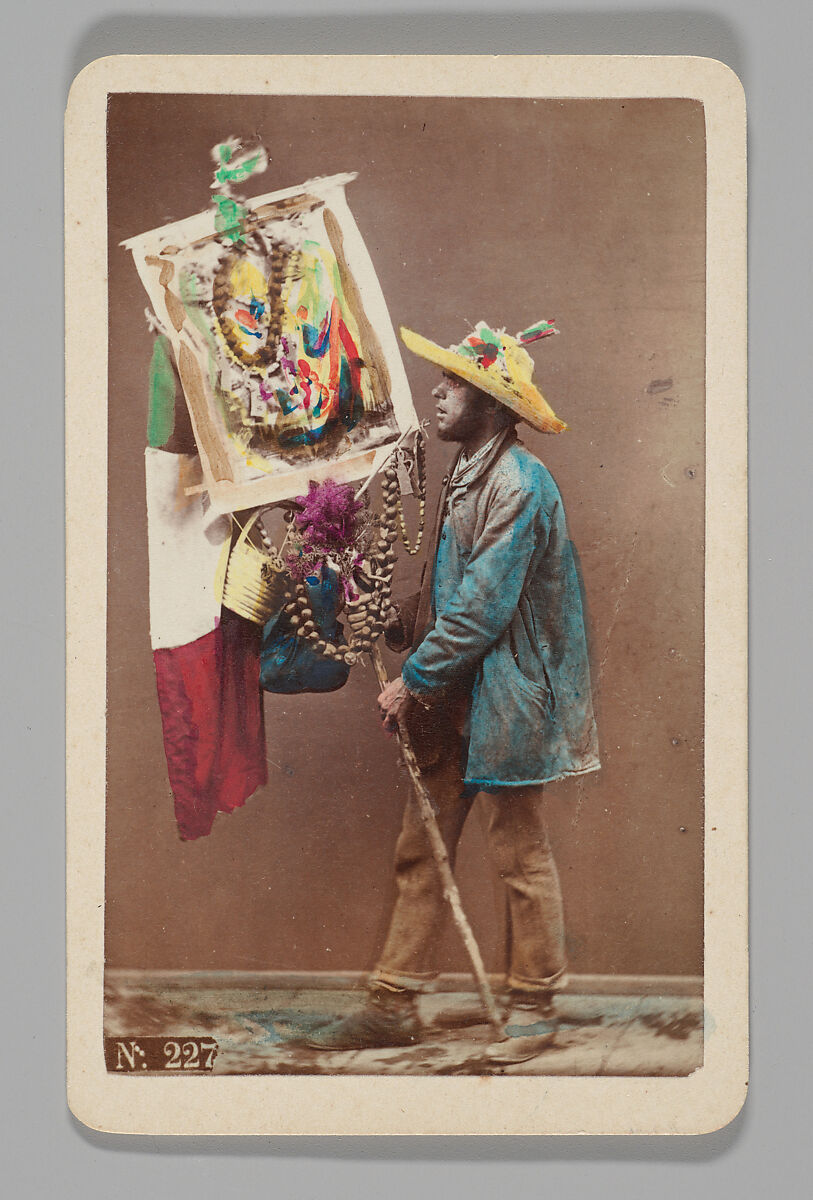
point(463, 475)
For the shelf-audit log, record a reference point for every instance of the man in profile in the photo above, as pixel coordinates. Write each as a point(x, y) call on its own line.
point(495, 690)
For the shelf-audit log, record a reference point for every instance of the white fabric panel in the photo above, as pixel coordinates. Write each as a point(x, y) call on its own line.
point(185, 541)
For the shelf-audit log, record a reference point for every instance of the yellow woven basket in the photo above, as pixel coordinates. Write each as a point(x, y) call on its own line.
point(256, 579)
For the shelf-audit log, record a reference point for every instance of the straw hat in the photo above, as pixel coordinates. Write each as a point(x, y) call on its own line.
point(498, 364)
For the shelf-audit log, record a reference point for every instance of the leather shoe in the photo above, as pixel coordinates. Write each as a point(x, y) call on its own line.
point(387, 1019)
point(530, 1014)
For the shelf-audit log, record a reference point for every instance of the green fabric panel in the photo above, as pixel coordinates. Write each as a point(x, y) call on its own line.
point(161, 419)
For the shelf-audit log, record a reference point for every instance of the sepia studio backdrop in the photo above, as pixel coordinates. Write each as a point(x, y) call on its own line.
point(589, 212)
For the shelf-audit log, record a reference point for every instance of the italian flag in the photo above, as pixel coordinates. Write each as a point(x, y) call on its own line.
point(207, 659)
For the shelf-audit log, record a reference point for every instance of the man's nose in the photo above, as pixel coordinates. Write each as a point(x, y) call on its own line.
point(438, 392)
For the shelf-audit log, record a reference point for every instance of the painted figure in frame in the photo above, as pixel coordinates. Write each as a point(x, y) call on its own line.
point(494, 692)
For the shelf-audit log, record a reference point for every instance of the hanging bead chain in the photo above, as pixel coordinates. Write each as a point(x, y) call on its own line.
point(273, 561)
point(420, 471)
point(370, 608)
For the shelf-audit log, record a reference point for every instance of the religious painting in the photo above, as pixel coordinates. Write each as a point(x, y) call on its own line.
point(281, 366)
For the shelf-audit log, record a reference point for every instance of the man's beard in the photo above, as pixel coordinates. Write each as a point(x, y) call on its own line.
point(447, 435)
point(463, 428)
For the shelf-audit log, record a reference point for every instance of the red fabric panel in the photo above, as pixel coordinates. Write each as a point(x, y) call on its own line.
point(211, 709)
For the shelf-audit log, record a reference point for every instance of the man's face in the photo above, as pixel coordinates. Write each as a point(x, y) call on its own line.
point(460, 409)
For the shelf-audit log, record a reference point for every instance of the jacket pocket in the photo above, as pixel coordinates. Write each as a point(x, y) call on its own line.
point(506, 677)
point(541, 692)
point(513, 727)
point(538, 685)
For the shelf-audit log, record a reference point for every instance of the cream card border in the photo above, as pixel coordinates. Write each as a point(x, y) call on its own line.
point(273, 1105)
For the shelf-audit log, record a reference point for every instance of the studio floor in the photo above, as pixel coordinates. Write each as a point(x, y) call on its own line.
point(259, 1028)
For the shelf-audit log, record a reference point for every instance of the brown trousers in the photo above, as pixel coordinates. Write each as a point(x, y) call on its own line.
point(521, 852)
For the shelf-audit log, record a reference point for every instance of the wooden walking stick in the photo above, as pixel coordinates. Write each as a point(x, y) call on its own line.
point(450, 890)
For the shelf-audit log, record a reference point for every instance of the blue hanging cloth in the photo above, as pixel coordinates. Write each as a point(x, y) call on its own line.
point(290, 664)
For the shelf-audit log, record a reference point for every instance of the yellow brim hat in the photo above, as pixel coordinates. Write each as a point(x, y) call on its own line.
point(512, 385)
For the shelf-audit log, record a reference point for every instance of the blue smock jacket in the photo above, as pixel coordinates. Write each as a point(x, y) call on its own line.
point(500, 621)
